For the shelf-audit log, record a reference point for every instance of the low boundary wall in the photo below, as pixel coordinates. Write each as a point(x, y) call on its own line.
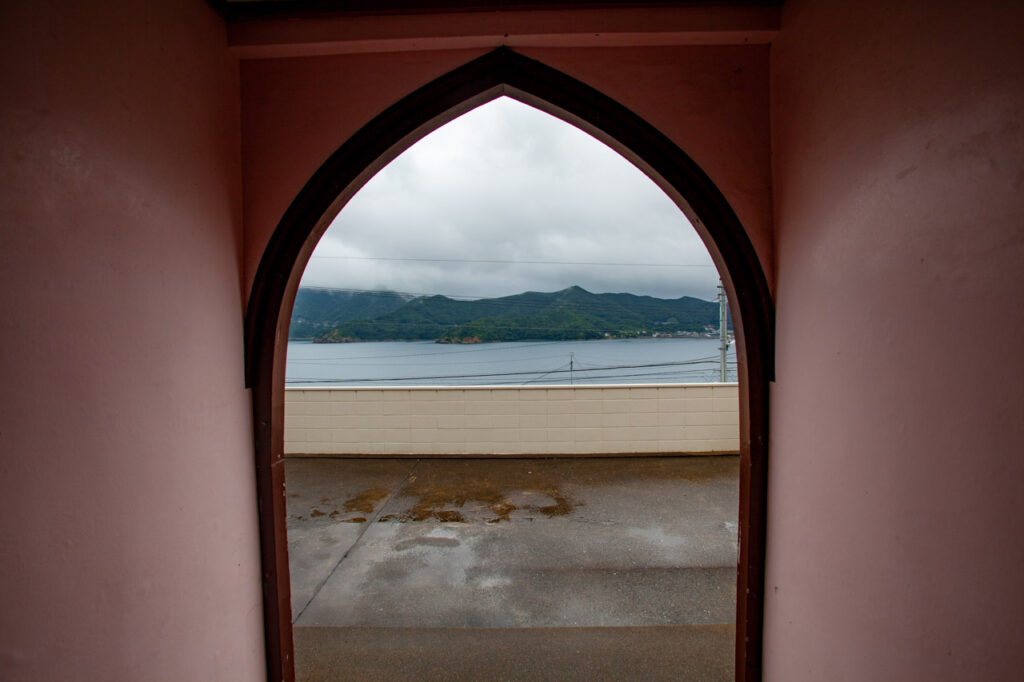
point(512, 420)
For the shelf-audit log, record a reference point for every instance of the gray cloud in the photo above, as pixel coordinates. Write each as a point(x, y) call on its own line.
point(507, 182)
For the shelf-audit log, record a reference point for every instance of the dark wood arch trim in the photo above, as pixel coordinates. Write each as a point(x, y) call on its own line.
point(496, 73)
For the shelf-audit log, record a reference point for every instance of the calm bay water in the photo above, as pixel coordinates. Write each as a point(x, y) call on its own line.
point(418, 363)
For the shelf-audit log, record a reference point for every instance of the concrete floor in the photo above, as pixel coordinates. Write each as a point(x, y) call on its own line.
point(602, 568)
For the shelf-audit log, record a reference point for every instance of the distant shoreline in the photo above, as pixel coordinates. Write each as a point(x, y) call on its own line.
point(616, 361)
point(313, 339)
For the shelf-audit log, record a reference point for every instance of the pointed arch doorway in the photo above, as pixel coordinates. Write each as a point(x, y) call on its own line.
point(504, 72)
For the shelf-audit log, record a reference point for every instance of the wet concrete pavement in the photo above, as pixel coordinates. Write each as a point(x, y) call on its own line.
point(555, 546)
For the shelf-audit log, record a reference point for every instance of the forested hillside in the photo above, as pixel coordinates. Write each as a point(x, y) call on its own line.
point(317, 311)
point(570, 314)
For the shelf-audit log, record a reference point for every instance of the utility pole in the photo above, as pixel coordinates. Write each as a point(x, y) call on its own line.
point(723, 336)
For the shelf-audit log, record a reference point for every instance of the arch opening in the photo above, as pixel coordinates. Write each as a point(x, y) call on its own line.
point(503, 72)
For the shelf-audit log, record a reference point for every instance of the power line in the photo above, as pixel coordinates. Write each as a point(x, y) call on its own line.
point(454, 360)
point(523, 301)
point(708, 372)
point(545, 374)
point(500, 374)
point(491, 261)
point(490, 347)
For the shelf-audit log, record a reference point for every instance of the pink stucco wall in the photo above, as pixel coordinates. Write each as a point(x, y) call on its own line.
point(895, 532)
point(711, 100)
point(127, 504)
point(297, 111)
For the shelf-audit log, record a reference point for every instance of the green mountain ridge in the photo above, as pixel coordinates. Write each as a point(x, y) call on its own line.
point(317, 311)
point(570, 314)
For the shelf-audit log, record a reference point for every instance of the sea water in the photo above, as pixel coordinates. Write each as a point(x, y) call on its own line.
point(425, 363)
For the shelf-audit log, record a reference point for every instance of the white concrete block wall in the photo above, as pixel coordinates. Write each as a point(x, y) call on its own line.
point(512, 420)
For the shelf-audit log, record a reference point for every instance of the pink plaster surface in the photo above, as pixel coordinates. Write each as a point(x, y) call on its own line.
point(296, 112)
point(895, 533)
point(550, 27)
point(127, 495)
point(712, 101)
point(127, 506)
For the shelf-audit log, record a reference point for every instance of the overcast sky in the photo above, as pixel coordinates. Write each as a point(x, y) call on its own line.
point(508, 183)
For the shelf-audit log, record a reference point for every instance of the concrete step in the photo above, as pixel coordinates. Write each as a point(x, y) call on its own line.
point(676, 652)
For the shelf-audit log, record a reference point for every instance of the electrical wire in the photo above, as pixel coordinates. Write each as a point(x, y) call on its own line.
point(508, 345)
point(494, 261)
point(483, 300)
point(501, 374)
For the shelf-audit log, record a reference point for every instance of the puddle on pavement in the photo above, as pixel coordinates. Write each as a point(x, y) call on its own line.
point(427, 542)
point(366, 501)
point(472, 500)
point(495, 491)
point(363, 504)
